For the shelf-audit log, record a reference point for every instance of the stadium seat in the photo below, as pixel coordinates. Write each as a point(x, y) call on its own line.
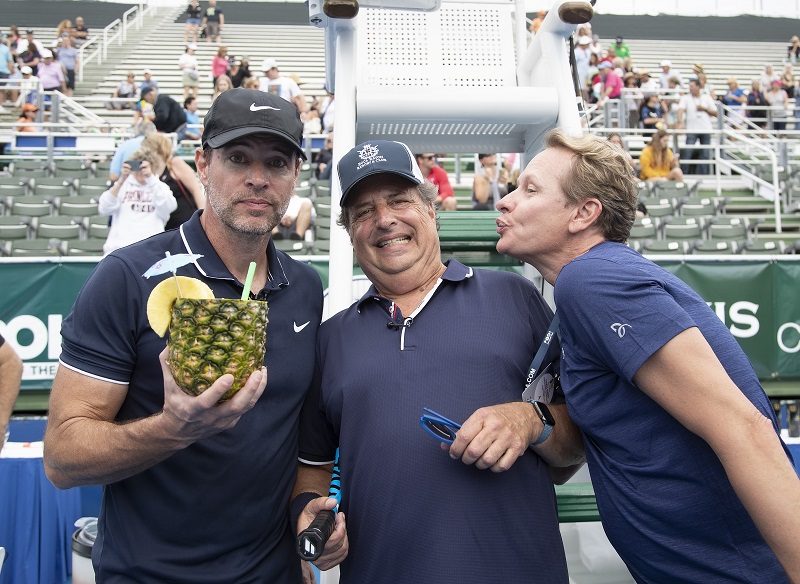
point(58, 227)
point(30, 205)
point(303, 191)
point(78, 205)
point(306, 172)
point(736, 231)
point(322, 246)
point(758, 246)
point(659, 207)
point(290, 246)
point(85, 247)
point(97, 226)
point(51, 185)
point(717, 246)
point(687, 228)
point(663, 246)
point(643, 229)
point(13, 228)
point(698, 207)
point(86, 190)
point(33, 247)
point(671, 189)
point(25, 165)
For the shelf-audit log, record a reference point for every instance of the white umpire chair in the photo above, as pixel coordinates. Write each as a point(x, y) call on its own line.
point(443, 76)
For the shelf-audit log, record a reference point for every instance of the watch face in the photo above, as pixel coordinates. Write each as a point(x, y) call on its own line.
point(544, 413)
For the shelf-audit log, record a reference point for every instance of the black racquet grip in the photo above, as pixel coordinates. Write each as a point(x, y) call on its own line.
point(311, 541)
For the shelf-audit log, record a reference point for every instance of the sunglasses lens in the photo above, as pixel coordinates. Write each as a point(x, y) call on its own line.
point(440, 430)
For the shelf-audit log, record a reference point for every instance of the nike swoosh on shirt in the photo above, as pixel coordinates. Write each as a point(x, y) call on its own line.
point(257, 108)
point(297, 329)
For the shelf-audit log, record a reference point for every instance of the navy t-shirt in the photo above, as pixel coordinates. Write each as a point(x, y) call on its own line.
point(665, 501)
point(215, 511)
point(414, 514)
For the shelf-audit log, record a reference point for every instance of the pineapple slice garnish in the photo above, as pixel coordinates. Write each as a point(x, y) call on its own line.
point(163, 296)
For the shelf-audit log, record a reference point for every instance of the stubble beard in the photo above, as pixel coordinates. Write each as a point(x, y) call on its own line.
point(225, 210)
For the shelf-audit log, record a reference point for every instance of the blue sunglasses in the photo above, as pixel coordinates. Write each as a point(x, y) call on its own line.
point(441, 428)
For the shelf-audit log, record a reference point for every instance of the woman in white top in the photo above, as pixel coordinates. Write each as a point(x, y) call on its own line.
point(188, 64)
point(779, 104)
point(138, 202)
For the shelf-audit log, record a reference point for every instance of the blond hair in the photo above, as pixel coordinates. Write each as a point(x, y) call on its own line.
point(599, 170)
point(158, 150)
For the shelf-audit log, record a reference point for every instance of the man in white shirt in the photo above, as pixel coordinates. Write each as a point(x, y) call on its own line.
point(284, 87)
point(695, 111)
point(667, 72)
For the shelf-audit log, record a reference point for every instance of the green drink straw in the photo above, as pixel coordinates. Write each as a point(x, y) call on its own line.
point(248, 281)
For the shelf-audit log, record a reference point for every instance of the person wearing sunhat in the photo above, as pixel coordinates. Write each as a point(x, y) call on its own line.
point(583, 56)
point(29, 86)
point(194, 491)
point(27, 119)
point(443, 336)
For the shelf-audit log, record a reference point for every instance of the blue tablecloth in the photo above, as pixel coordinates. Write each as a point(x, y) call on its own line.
point(36, 519)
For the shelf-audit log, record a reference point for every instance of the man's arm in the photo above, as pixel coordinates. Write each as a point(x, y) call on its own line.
point(742, 438)
point(83, 443)
point(495, 436)
point(10, 377)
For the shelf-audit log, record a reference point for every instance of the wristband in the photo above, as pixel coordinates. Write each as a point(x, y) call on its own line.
point(298, 504)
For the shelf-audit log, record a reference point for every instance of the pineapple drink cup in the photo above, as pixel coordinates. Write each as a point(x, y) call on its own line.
point(208, 337)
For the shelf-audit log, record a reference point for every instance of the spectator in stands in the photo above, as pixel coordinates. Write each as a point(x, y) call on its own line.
point(127, 148)
point(240, 70)
point(6, 70)
point(167, 115)
point(10, 381)
point(193, 12)
point(793, 50)
point(29, 86)
point(537, 21)
point(27, 119)
point(632, 97)
point(616, 139)
point(68, 56)
point(734, 99)
point(652, 112)
point(596, 47)
point(583, 54)
point(13, 38)
point(126, 89)
point(285, 87)
point(671, 101)
point(695, 111)
point(700, 73)
point(312, 123)
point(80, 33)
point(192, 119)
point(611, 84)
point(489, 184)
point(64, 30)
point(296, 220)
point(657, 161)
point(223, 83)
point(51, 73)
point(668, 72)
point(326, 107)
point(174, 172)
point(190, 78)
point(251, 83)
point(756, 102)
point(779, 105)
point(647, 83)
point(768, 76)
point(323, 159)
point(213, 21)
point(787, 80)
point(433, 173)
point(621, 48)
point(149, 81)
point(30, 52)
point(220, 64)
point(138, 203)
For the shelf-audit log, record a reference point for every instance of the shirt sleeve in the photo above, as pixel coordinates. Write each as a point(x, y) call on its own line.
point(619, 314)
point(108, 203)
point(318, 441)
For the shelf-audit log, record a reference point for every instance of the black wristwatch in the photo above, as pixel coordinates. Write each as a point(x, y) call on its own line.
point(548, 422)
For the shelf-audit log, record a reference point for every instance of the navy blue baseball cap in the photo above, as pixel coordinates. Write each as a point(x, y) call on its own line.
point(242, 112)
point(376, 157)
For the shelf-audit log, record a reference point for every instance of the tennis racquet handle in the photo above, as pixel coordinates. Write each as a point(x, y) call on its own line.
point(311, 541)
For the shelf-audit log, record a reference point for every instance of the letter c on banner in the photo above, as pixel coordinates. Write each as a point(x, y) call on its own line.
point(785, 326)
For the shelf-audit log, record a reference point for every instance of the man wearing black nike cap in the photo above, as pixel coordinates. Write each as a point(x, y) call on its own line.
point(195, 492)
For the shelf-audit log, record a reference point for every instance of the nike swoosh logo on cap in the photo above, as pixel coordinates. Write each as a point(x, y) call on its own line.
point(297, 329)
point(257, 108)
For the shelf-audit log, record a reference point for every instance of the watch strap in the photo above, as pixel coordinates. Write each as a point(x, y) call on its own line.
point(547, 428)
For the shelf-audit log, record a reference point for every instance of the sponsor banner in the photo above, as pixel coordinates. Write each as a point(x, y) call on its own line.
point(756, 299)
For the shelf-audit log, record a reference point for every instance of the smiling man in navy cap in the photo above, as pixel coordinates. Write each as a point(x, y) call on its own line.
point(446, 337)
point(194, 492)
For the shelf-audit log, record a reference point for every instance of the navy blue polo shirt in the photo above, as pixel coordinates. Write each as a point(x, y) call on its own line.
point(663, 495)
point(217, 510)
point(413, 514)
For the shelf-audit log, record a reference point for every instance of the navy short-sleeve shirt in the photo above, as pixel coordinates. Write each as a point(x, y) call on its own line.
point(413, 514)
point(663, 495)
point(217, 510)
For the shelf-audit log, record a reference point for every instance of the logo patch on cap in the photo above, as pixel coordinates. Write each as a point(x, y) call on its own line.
point(258, 108)
point(369, 154)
